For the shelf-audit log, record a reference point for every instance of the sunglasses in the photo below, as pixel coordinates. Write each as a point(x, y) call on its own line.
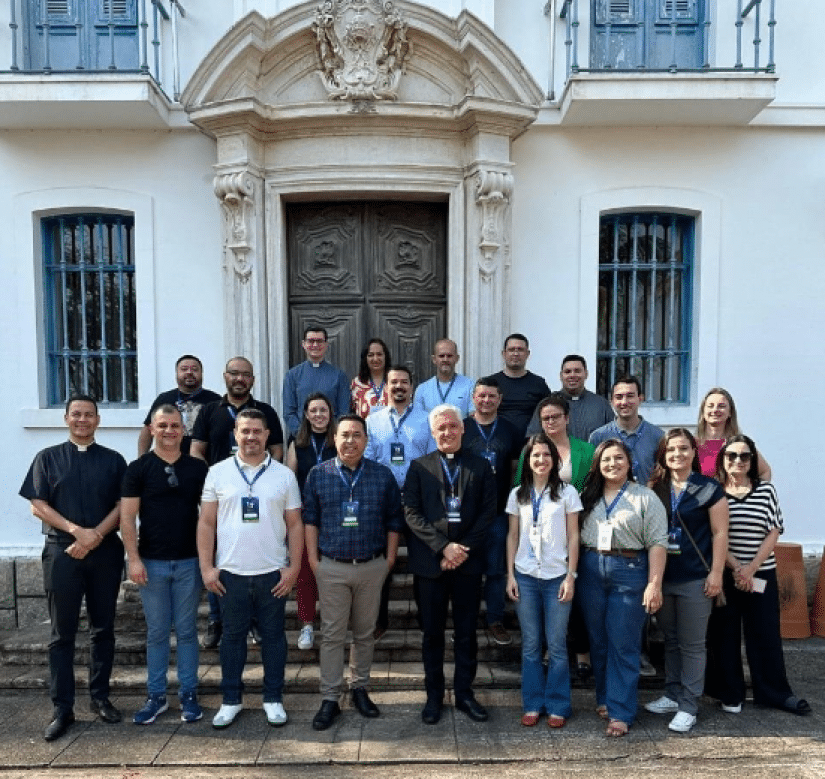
point(171, 476)
point(744, 457)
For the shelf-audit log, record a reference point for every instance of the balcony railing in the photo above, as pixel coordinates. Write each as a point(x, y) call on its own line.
point(96, 45)
point(748, 25)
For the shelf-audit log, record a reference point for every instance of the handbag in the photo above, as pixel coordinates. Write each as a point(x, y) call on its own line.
point(719, 600)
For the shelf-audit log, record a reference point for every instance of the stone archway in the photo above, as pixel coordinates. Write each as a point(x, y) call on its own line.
point(431, 112)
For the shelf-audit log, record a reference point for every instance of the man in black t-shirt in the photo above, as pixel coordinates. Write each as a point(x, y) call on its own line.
point(164, 487)
point(188, 397)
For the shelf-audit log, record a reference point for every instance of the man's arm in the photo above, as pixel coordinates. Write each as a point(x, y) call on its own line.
point(129, 508)
point(198, 449)
point(144, 440)
point(86, 538)
point(290, 398)
point(206, 535)
point(295, 538)
point(344, 399)
point(276, 451)
point(414, 510)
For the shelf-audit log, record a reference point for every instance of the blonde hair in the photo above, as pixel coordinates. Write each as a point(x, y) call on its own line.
point(731, 424)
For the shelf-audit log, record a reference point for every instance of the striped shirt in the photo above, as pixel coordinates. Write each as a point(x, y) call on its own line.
point(752, 517)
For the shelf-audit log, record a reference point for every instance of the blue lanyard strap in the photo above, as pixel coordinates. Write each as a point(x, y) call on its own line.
point(487, 438)
point(377, 391)
point(258, 475)
point(319, 450)
point(350, 483)
point(608, 509)
point(397, 427)
point(444, 395)
point(451, 477)
point(536, 499)
point(675, 499)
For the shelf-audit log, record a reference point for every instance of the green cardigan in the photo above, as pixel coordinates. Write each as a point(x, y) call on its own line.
point(581, 454)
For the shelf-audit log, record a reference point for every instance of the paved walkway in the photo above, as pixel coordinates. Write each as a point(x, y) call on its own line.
point(758, 742)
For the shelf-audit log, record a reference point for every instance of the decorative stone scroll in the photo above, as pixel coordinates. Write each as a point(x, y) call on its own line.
point(493, 192)
point(236, 191)
point(362, 48)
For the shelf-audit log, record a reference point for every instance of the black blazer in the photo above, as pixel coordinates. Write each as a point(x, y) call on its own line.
point(426, 513)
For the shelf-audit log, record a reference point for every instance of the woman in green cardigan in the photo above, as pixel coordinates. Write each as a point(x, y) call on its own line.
point(576, 456)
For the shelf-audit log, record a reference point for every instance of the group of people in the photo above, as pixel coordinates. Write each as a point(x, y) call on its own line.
point(563, 525)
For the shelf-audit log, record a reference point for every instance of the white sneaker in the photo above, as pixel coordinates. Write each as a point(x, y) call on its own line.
point(682, 722)
point(663, 705)
point(737, 709)
point(307, 637)
point(226, 715)
point(275, 714)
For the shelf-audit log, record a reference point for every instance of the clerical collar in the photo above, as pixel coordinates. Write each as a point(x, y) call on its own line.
point(80, 447)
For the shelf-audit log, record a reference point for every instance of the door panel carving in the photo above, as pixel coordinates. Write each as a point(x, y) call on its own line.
point(363, 270)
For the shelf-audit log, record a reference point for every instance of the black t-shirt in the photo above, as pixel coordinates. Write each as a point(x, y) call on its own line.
point(168, 514)
point(215, 426)
point(189, 407)
point(520, 397)
point(505, 442)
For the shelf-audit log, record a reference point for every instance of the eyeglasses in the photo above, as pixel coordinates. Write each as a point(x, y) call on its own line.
point(240, 374)
point(744, 457)
point(315, 341)
point(171, 476)
point(552, 417)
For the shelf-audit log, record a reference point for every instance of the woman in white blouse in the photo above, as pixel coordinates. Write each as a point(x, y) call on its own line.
point(542, 556)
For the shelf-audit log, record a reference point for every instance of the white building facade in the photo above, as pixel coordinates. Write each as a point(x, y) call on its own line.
point(637, 181)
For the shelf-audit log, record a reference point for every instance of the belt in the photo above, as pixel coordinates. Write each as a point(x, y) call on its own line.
point(615, 552)
point(359, 561)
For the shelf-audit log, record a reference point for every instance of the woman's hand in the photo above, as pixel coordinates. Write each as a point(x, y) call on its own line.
point(713, 584)
point(512, 587)
point(652, 598)
point(567, 589)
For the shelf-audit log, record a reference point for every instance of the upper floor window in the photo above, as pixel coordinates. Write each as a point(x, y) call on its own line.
point(89, 297)
point(645, 303)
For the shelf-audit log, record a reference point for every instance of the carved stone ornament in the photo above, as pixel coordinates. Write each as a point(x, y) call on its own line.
point(493, 192)
point(362, 48)
point(235, 192)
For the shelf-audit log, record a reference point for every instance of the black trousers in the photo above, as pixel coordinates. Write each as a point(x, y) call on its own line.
point(435, 596)
point(66, 581)
point(758, 615)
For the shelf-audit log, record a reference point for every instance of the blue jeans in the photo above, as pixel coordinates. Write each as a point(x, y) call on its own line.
point(494, 578)
point(248, 598)
point(171, 596)
point(611, 590)
point(541, 614)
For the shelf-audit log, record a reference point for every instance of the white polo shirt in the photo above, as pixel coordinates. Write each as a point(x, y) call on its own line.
point(250, 548)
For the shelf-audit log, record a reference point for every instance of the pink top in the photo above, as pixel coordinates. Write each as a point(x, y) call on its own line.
point(708, 452)
point(364, 400)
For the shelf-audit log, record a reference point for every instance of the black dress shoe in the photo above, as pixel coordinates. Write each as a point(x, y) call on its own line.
point(431, 713)
point(104, 709)
point(473, 709)
point(326, 715)
point(59, 725)
point(361, 701)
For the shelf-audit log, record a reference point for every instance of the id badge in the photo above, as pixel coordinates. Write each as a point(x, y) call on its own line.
point(674, 541)
point(605, 543)
point(250, 509)
point(396, 453)
point(349, 510)
point(454, 509)
point(535, 541)
point(491, 458)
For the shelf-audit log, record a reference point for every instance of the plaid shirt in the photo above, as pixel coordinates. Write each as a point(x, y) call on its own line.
point(379, 508)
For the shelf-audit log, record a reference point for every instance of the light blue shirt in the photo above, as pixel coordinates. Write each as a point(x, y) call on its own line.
point(642, 442)
point(304, 379)
point(433, 393)
point(413, 433)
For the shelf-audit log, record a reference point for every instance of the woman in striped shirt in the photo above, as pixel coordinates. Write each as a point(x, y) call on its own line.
point(751, 590)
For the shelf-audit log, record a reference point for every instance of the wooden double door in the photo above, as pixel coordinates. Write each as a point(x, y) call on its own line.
point(369, 269)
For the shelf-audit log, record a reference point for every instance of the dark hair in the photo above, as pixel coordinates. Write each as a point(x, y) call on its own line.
point(516, 337)
point(364, 368)
point(315, 329)
point(753, 471)
point(166, 408)
point(554, 399)
point(252, 413)
point(731, 424)
point(574, 358)
point(352, 418)
point(660, 480)
point(593, 489)
point(188, 357)
point(81, 398)
point(627, 379)
point(304, 434)
point(405, 368)
point(553, 480)
point(487, 381)
point(242, 359)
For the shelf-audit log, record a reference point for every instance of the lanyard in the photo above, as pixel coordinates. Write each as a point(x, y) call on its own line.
point(536, 504)
point(319, 450)
point(350, 483)
point(444, 395)
point(675, 499)
point(487, 438)
point(258, 475)
point(451, 477)
point(397, 428)
point(377, 391)
point(608, 509)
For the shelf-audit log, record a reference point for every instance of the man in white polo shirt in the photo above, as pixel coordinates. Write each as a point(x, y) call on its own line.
point(251, 506)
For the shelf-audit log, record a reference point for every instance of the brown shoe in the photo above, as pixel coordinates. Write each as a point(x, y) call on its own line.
point(499, 634)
